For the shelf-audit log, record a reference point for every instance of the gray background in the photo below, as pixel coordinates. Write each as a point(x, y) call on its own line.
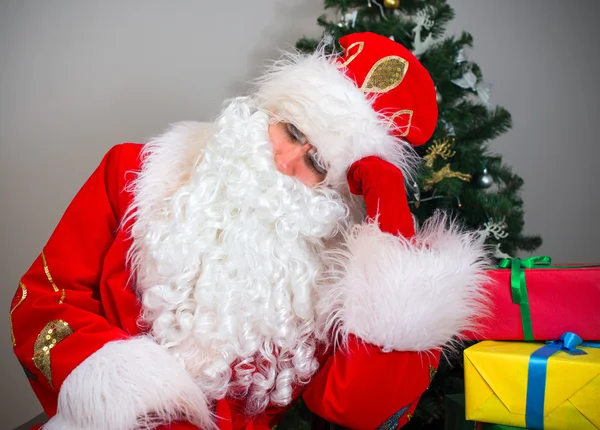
point(79, 77)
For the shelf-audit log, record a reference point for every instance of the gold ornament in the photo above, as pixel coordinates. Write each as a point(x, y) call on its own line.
point(445, 173)
point(391, 4)
point(438, 147)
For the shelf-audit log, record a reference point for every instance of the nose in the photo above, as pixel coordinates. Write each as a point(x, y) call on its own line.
point(291, 158)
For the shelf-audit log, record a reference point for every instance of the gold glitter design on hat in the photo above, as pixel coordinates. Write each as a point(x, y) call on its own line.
point(385, 75)
point(396, 115)
point(23, 296)
point(51, 335)
point(361, 46)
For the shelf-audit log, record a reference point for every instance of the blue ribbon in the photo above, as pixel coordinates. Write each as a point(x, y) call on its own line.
point(536, 380)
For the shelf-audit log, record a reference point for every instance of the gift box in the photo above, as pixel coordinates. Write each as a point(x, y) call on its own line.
point(534, 385)
point(534, 300)
point(454, 417)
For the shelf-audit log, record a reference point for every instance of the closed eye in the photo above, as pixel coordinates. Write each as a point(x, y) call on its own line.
point(295, 134)
point(314, 162)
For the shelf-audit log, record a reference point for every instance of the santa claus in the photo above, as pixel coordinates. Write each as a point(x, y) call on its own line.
point(211, 277)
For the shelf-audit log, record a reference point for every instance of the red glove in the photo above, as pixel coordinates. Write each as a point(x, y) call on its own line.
point(382, 186)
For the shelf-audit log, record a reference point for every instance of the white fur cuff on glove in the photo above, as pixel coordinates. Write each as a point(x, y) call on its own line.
point(129, 384)
point(407, 294)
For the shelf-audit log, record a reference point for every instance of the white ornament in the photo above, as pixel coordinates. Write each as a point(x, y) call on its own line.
point(328, 39)
point(483, 89)
point(460, 57)
point(499, 254)
point(496, 229)
point(450, 131)
point(468, 80)
point(349, 18)
point(416, 191)
point(423, 21)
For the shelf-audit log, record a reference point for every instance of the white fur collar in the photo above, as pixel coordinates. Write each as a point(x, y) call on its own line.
point(167, 161)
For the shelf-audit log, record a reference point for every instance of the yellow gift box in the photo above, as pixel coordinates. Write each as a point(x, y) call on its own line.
point(496, 381)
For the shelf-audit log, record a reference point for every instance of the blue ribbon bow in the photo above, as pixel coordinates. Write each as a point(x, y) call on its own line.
point(536, 380)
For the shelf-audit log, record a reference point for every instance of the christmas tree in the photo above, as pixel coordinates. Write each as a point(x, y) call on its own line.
point(459, 173)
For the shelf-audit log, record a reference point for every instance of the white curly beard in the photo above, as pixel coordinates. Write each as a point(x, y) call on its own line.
point(228, 267)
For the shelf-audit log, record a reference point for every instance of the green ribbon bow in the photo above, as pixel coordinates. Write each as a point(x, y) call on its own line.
point(519, 287)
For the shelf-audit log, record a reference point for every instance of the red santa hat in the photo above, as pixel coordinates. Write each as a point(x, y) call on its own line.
point(401, 89)
point(372, 101)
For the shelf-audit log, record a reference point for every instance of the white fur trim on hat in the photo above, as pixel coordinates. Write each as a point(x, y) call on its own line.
point(313, 93)
point(129, 384)
point(407, 294)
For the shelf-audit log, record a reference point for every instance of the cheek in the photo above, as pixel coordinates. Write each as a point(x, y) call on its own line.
point(276, 137)
point(308, 178)
point(276, 141)
point(281, 148)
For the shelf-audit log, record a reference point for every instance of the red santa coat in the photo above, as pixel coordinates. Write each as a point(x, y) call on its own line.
point(77, 297)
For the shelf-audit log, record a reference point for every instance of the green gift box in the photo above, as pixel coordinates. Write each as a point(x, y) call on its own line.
point(454, 418)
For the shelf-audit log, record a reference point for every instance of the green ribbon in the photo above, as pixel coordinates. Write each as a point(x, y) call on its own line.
point(518, 286)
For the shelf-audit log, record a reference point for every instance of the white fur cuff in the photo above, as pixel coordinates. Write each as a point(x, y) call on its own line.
point(407, 294)
point(129, 384)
